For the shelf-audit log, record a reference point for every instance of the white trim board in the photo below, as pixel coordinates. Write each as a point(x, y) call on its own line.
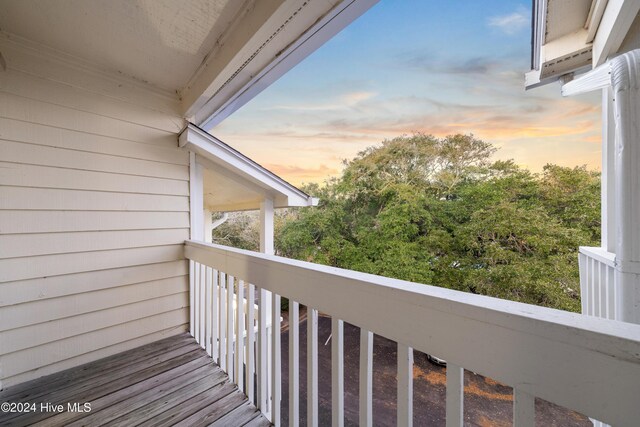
point(230, 162)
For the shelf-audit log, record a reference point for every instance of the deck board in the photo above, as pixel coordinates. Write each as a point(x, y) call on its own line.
point(165, 383)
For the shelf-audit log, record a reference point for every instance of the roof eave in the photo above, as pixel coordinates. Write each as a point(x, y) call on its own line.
point(214, 150)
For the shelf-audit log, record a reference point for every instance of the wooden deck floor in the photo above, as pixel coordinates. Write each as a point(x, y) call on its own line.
point(165, 383)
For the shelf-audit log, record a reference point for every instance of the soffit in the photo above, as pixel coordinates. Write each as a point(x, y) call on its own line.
point(161, 42)
point(222, 193)
point(565, 17)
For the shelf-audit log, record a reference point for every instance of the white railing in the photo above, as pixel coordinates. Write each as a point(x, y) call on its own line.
point(597, 282)
point(217, 320)
point(540, 352)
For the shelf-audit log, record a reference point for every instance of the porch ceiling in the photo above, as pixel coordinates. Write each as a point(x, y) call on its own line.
point(161, 42)
point(222, 193)
point(212, 56)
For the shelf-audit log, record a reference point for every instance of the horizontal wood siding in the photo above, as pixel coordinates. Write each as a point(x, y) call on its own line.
point(94, 209)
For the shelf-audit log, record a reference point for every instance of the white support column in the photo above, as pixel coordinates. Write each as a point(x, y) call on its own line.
point(196, 196)
point(266, 377)
point(607, 193)
point(266, 227)
point(208, 226)
point(621, 77)
point(625, 82)
point(195, 231)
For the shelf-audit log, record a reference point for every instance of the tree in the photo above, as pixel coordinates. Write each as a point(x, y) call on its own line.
point(438, 211)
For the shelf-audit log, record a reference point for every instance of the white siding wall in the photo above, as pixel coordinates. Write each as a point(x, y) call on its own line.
point(94, 208)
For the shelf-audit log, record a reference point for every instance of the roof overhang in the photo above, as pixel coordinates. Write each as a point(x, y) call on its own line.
point(232, 181)
point(573, 36)
point(271, 39)
point(209, 56)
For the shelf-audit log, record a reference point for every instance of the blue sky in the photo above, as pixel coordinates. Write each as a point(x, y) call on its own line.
point(438, 67)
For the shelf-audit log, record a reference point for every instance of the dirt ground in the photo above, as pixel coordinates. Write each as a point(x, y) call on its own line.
point(487, 402)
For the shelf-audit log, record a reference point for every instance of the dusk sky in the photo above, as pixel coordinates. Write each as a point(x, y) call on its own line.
point(438, 67)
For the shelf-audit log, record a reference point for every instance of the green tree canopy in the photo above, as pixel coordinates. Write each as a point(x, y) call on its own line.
point(439, 211)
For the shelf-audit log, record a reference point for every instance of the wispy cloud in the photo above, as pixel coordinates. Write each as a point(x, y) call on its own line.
point(432, 63)
point(374, 86)
point(298, 174)
point(512, 22)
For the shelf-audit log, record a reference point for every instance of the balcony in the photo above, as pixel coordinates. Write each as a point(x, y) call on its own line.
point(169, 382)
point(228, 370)
point(586, 364)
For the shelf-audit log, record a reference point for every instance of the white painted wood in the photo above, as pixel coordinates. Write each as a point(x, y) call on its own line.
point(53, 265)
point(302, 28)
point(208, 226)
point(158, 150)
point(548, 353)
point(28, 198)
point(294, 364)
point(38, 334)
point(28, 57)
point(276, 366)
point(23, 361)
point(266, 349)
point(595, 16)
point(312, 367)
point(37, 312)
point(262, 365)
point(29, 86)
point(209, 311)
point(21, 175)
point(14, 222)
point(405, 385)
point(239, 336)
point(607, 177)
point(250, 349)
point(93, 210)
point(621, 75)
point(223, 320)
point(230, 324)
point(192, 298)
point(366, 378)
point(215, 311)
point(524, 409)
point(196, 207)
point(252, 175)
point(197, 305)
point(27, 245)
point(616, 21)
point(337, 372)
point(33, 111)
point(203, 305)
point(41, 289)
point(455, 396)
point(18, 152)
point(266, 227)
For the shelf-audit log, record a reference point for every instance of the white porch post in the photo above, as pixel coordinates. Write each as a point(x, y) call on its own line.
point(620, 79)
point(607, 186)
point(195, 231)
point(196, 197)
point(208, 226)
point(267, 247)
point(625, 79)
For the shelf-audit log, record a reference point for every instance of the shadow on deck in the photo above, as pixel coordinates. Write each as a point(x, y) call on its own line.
point(165, 383)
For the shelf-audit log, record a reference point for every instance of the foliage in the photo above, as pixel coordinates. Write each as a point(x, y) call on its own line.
point(439, 211)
